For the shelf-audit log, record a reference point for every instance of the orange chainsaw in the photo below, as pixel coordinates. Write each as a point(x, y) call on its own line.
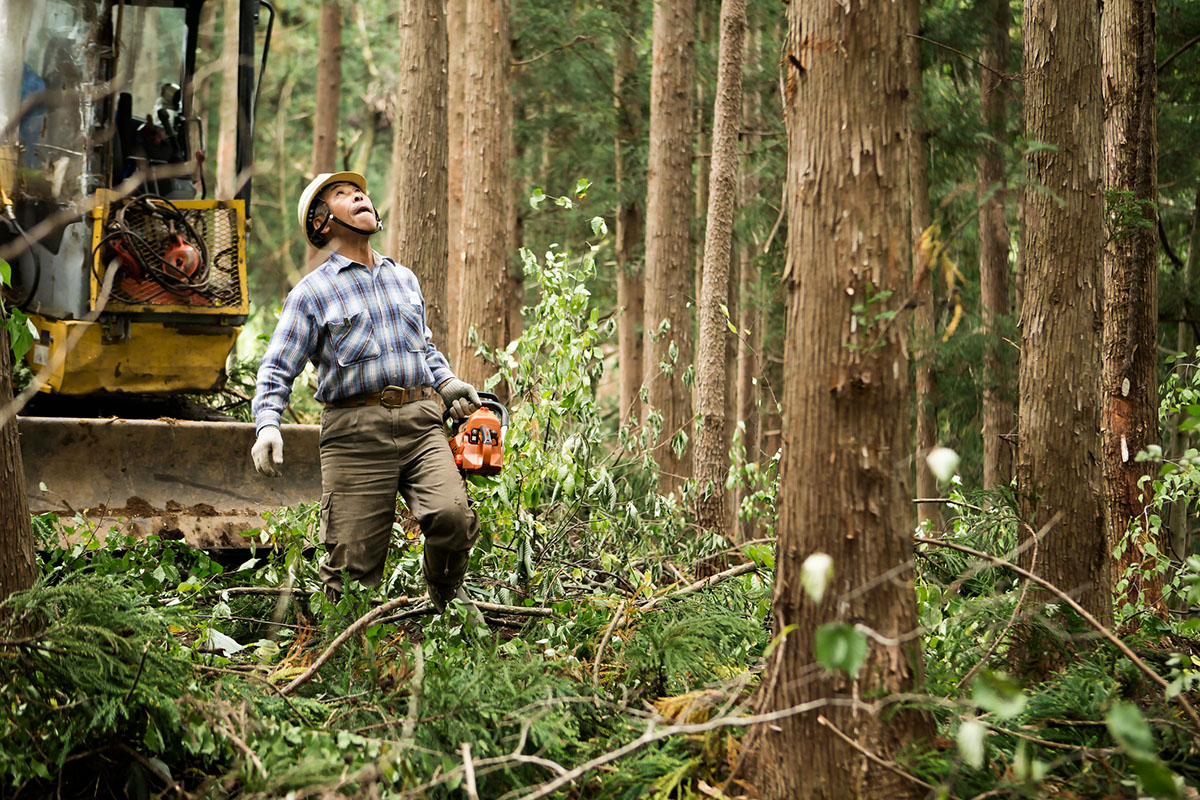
point(477, 441)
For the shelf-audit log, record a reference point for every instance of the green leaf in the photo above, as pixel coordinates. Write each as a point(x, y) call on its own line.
point(1130, 730)
point(971, 737)
point(5, 273)
point(840, 646)
point(1156, 778)
point(599, 227)
point(998, 693)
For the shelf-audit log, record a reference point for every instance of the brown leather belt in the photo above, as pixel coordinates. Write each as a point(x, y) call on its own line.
point(390, 397)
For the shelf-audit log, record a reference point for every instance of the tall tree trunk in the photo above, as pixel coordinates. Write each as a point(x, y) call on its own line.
point(1181, 535)
point(227, 177)
point(329, 88)
point(629, 225)
point(1130, 366)
point(667, 352)
point(705, 13)
point(993, 250)
point(18, 570)
point(484, 283)
point(748, 338)
point(419, 183)
point(1058, 464)
point(845, 400)
point(924, 375)
point(710, 456)
point(456, 20)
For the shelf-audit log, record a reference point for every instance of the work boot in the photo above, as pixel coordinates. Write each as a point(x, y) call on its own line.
point(444, 573)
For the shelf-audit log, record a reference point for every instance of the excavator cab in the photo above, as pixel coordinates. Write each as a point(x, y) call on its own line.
point(130, 266)
point(135, 277)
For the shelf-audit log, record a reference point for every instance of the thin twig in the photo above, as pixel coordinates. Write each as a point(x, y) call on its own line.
point(888, 765)
point(414, 695)
point(1002, 75)
point(154, 769)
point(1053, 745)
point(1011, 620)
point(948, 501)
point(138, 676)
point(360, 623)
point(469, 768)
point(1172, 57)
point(1082, 612)
point(578, 38)
point(608, 632)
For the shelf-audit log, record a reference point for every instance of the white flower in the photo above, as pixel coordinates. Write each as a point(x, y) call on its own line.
point(942, 462)
point(815, 574)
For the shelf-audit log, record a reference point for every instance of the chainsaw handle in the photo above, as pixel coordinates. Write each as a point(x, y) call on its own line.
point(486, 400)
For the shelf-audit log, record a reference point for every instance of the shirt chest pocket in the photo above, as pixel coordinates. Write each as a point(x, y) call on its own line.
point(413, 322)
point(353, 339)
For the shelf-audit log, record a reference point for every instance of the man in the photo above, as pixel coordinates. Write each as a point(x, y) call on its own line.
point(360, 319)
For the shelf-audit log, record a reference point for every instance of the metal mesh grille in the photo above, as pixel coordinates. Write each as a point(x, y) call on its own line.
point(217, 227)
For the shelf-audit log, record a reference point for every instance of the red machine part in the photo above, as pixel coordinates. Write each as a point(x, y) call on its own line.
point(478, 447)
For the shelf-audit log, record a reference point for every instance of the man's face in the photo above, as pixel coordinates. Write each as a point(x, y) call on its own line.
point(350, 204)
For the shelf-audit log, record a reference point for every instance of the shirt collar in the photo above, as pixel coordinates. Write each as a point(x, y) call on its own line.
point(339, 262)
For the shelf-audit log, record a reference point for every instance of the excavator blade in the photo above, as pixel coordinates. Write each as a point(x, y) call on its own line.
point(181, 480)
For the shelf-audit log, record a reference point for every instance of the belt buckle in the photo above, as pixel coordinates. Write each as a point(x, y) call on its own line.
point(393, 397)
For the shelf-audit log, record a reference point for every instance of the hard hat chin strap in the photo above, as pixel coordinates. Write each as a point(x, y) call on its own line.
point(360, 231)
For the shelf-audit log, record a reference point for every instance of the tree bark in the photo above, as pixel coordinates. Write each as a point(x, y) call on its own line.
point(711, 453)
point(329, 88)
point(669, 281)
point(993, 250)
point(749, 341)
point(419, 182)
point(484, 283)
point(1130, 366)
point(227, 177)
point(18, 570)
point(924, 375)
point(845, 397)
point(1058, 465)
point(1185, 365)
point(629, 224)
point(456, 19)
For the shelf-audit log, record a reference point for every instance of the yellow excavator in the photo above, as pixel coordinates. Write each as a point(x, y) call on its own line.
point(133, 278)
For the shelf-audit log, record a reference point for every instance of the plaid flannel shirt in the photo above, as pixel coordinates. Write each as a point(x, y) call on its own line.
point(362, 328)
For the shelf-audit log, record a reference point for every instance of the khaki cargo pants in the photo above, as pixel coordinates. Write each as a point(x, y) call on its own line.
point(368, 453)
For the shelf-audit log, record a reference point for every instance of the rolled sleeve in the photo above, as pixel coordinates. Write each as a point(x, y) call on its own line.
point(292, 344)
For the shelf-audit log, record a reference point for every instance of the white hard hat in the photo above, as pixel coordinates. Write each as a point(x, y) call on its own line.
point(310, 193)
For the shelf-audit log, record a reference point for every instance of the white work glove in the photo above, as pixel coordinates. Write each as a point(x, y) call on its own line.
point(460, 397)
point(268, 451)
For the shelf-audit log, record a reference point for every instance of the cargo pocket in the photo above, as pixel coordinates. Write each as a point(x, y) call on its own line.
point(326, 509)
point(354, 339)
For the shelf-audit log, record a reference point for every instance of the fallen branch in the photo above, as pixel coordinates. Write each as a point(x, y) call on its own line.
point(888, 765)
point(651, 735)
point(1008, 626)
point(360, 623)
point(711, 580)
point(1082, 612)
point(527, 611)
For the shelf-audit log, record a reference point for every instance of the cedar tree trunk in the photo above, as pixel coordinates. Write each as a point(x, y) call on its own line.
point(845, 400)
point(667, 350)
point(1058, 462)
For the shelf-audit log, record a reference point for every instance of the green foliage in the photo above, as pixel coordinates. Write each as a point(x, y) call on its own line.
point(86, 662)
